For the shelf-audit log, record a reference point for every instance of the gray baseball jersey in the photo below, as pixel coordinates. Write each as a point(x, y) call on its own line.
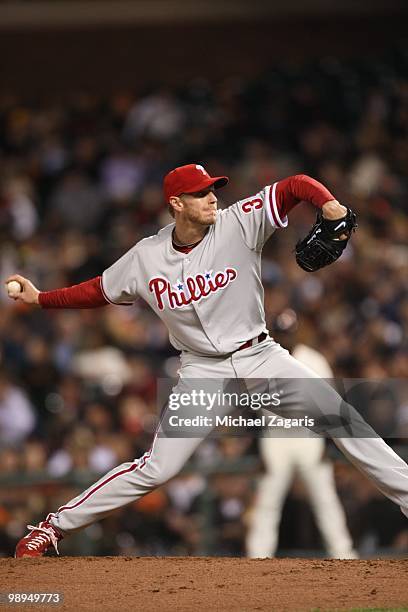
point(218, 282)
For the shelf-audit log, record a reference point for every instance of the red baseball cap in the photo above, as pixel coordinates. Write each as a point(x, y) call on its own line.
point(189, 179)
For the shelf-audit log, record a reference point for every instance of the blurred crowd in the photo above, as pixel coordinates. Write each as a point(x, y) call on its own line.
point(80, 183)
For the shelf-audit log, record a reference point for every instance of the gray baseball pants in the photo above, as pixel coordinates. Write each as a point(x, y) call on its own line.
point(267, 360)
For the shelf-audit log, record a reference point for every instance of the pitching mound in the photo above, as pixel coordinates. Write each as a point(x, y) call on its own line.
point(186, 584)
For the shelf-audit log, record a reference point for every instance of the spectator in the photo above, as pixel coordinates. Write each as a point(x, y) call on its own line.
point(17, 415)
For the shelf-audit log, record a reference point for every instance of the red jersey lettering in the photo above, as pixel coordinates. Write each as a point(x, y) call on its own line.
point(251, 205)
point(194, 289)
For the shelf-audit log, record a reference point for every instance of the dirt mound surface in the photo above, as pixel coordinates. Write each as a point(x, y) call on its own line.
point(186, 584)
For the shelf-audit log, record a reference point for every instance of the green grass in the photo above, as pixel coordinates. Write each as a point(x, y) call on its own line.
point(360, 610)
point(378, 610)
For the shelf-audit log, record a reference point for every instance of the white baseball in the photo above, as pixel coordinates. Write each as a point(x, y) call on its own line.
point(14, 288)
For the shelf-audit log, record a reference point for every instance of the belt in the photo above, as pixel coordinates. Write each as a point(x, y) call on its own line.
point(253, 342)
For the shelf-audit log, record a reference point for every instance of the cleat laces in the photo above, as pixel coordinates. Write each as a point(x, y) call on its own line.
point(46, 536)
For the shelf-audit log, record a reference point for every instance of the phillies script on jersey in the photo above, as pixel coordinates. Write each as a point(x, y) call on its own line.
point(194, 289)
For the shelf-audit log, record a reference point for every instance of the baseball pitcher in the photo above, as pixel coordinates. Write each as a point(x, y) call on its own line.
point(202, 276)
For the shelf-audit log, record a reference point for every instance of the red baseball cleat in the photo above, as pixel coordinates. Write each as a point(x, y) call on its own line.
point(38, 541)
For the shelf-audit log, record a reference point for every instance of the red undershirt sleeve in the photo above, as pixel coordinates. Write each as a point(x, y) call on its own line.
point(298, 188)
point(85, 295)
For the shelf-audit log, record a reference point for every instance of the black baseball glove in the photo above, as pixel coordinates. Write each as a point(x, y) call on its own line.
point(323, 245)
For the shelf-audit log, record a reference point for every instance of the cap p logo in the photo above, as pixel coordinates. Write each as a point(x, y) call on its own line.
point(201, 169)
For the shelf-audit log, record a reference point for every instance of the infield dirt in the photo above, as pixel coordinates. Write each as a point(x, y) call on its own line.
point(187, 584)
